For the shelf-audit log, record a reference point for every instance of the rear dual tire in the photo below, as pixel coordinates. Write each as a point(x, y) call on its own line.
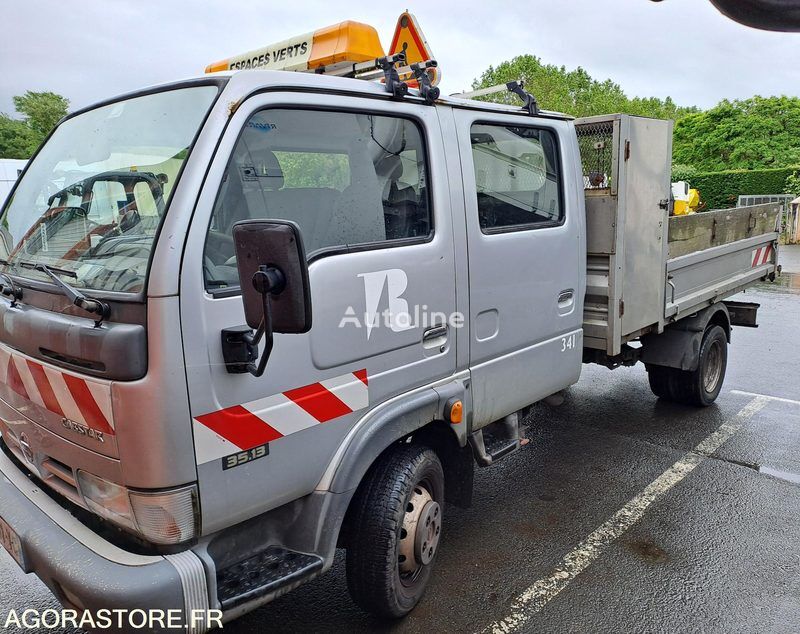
point(699, 387)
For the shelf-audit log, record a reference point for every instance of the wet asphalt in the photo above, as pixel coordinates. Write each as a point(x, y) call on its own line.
point(718, 552)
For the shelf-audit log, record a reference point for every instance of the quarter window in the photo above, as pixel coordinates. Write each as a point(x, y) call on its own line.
point(348, 180)
point(517, 177)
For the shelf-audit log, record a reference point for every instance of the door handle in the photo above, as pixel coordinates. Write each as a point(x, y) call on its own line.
point(565, 297)
point(566, 302)
point(435, 339)
point(434, 333)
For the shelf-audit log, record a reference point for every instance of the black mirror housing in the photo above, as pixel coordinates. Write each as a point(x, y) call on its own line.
point(273, 275)
point(264, 245)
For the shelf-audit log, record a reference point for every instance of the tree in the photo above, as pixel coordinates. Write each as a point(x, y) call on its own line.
point(683, 172)
point(793, 184)
point(17, 140)
point(574, 92)
point(749, 134)
point(40, 112)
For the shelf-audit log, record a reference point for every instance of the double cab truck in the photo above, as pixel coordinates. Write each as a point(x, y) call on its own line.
point(255, 316)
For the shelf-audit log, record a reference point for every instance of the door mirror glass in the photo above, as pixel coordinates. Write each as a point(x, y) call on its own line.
point(273, 275)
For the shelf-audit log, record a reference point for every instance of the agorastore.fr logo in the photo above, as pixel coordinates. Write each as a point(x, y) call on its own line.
point(111, 620)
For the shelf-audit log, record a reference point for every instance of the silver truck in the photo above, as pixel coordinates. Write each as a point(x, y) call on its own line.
point(253, 317)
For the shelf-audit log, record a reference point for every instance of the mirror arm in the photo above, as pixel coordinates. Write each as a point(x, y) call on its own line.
point(267, 281)
point(253, 339)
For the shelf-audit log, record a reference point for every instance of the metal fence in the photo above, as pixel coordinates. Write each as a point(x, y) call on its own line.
point(789, 213)
point(747, 201)
point(596, 143)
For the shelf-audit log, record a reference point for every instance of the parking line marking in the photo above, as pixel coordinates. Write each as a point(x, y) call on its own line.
point(535, 597)
point(771, 398)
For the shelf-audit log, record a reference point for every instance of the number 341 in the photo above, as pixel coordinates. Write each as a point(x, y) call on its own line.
point(569, 342)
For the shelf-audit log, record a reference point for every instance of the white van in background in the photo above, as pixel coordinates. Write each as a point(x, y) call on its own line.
point(10, 169)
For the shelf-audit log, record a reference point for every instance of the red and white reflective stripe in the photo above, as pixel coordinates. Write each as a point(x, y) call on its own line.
point(762, 255)
point(81, 400)
point(241, 427)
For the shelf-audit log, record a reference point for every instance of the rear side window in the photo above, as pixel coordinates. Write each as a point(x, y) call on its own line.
point(314, 169)
point(349, 180)
point(517, 177)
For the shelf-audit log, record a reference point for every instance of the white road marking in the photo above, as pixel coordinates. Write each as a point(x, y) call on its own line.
point(771, 398)
point(574, 563)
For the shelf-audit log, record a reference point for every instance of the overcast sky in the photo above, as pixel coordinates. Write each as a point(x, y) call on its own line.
point(92, 49)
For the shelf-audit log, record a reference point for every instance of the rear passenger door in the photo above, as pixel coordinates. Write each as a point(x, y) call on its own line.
point(526, 259)
point(364, 180)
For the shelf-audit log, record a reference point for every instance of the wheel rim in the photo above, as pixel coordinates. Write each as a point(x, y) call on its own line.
point(712, 368)
point(419, 536)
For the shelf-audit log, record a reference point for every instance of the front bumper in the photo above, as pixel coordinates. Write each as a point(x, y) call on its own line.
point(85, 571)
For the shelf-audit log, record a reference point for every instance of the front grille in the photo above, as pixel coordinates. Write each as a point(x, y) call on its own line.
point(61, 478)
point(105, 529)
point(54, 473)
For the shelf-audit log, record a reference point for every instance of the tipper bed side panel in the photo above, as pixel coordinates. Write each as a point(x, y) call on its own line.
point(717, 254)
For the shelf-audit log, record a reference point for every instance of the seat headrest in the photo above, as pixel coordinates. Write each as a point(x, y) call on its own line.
point(390, 167)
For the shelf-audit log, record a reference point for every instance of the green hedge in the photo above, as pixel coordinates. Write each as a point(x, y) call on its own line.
point(721, 189)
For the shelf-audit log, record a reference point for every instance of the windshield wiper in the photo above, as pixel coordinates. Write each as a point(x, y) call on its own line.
point(89, 304)
point(10, 288)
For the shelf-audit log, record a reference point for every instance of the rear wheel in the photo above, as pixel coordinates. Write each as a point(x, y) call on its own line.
point(395, 528)
point(701, 387)
point(659, 377)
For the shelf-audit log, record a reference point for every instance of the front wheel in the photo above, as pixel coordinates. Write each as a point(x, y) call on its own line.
point(396, 525)
point(701, 387)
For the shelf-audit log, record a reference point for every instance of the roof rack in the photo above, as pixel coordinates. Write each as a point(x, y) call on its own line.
point(517, 87)
point(394, 72)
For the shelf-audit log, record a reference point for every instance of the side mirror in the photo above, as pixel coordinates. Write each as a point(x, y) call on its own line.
point(273, 274)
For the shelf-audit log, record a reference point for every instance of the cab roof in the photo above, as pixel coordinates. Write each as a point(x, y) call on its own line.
point(240, 84)
point(253, 80)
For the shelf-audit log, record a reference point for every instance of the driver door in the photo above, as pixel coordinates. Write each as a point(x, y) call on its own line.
point(365, 182)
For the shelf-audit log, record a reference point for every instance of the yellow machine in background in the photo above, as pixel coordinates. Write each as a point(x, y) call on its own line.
point(685, 200)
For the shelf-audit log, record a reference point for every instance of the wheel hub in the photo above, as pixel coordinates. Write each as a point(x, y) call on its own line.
point(713, 367)
point(428, 531)
point(422, 527)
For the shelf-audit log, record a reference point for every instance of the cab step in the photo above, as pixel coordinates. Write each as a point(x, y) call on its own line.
point(497, 440)
point(262, 574)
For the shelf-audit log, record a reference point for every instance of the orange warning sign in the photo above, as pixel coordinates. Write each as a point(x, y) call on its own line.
point(408, 37)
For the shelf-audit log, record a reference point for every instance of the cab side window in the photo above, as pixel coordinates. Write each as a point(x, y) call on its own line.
point(517, 176)
point(348, 180)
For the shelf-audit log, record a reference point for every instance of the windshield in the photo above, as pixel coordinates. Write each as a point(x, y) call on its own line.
point(92, 200)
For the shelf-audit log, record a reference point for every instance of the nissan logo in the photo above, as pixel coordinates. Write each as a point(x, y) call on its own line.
point(26, 447)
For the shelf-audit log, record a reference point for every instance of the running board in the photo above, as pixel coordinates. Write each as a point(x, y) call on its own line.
point(497, 440)
point(262, 574)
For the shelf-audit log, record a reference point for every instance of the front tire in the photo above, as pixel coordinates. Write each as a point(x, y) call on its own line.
point(394, 531)
point(701, 387)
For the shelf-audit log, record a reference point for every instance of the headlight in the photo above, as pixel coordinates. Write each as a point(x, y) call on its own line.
point(163, 517)
point(106, 499)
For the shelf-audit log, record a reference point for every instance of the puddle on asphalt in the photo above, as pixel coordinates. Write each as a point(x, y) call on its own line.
point(648, 551)
point(784, 283)
point(783, 475)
